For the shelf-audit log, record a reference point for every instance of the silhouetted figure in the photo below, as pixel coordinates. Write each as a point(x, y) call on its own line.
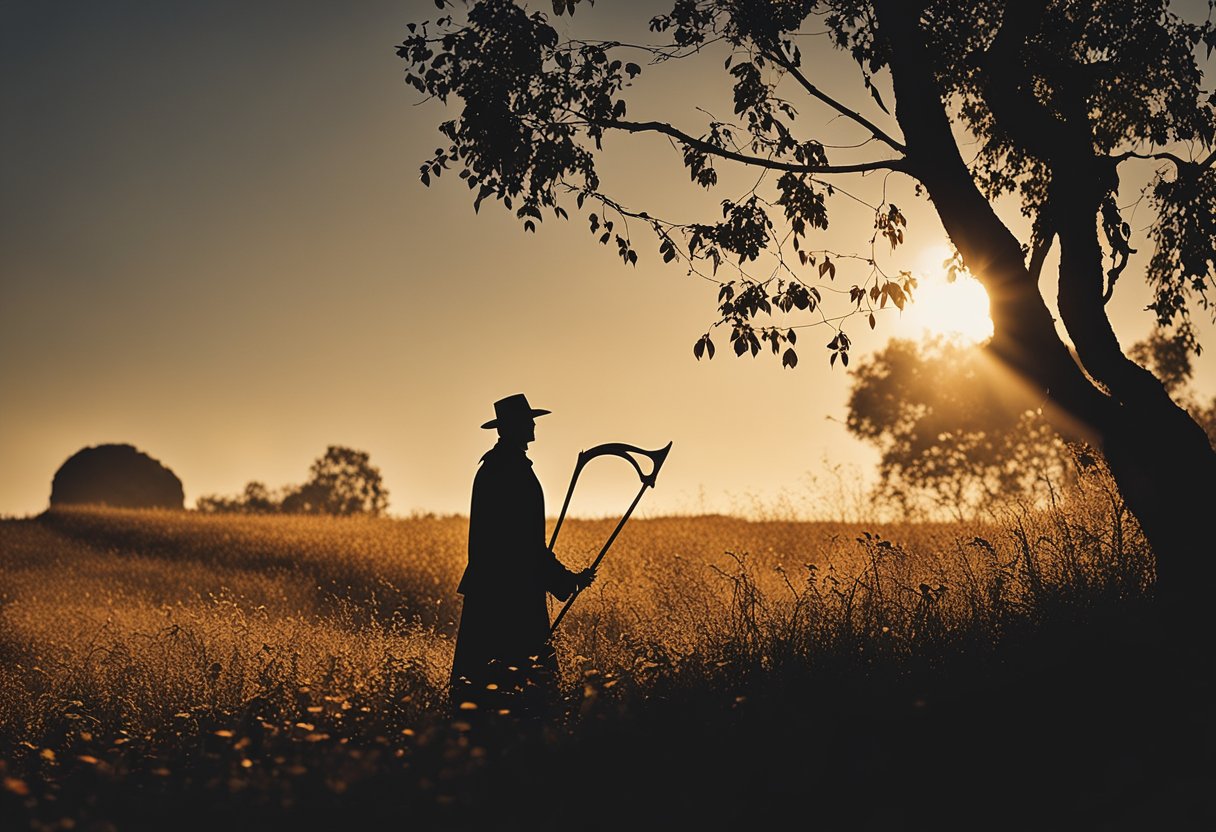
point(503, 657)
point(116, 475)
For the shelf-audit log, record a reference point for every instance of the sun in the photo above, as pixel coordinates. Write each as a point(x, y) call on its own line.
point(940, 307)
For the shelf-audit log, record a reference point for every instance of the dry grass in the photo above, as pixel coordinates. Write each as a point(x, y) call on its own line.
point(269, 658)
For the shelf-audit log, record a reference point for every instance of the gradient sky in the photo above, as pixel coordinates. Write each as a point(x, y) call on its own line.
point(214, 246)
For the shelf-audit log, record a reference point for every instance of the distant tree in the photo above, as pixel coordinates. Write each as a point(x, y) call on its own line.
point(216, 504)
point(342, 481)
point(1168, 357)
point(1171, 361)
point(256, 499)
point(116, 475)
point(1040, 105)
point(954, 434)
point(1205, 415)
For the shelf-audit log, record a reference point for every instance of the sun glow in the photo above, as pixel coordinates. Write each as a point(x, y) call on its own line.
point(959, 308)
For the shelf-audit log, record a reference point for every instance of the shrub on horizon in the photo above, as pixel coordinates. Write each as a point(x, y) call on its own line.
point(116, 475)
point(342, 482)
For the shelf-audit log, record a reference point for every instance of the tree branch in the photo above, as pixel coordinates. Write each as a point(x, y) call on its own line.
point(853, 115)
point(1166, 156)
point(1038, 253)
point(755, 161)
point(673, 52)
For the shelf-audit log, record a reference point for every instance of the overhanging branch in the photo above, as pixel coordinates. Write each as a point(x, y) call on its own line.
point(1166, 156)
point(755, 161)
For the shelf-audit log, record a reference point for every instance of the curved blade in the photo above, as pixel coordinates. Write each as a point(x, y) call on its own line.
point(626, 451)
point(623, 450)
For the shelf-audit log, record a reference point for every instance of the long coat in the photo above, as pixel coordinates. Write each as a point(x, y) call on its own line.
point(503, 647)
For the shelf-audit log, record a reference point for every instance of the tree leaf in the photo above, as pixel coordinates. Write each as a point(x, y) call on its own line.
point(878, 98)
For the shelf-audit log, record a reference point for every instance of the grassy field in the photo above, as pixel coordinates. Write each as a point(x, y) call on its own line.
point(177, 670)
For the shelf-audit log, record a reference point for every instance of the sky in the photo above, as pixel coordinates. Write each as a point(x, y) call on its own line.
point(214, 245)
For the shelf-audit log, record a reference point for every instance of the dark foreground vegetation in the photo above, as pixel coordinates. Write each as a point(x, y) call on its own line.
point(170, 670)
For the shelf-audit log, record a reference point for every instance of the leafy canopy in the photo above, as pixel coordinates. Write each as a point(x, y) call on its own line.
point(1027, 83)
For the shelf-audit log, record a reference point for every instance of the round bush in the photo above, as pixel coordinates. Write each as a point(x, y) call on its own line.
point(116, 475)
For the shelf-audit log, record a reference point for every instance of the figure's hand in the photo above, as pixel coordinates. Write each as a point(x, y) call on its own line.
point(583, 579)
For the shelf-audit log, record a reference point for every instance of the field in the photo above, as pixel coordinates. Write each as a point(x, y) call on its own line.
point(176, 670)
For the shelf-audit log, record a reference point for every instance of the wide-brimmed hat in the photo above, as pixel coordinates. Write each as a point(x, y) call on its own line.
point(513, 409)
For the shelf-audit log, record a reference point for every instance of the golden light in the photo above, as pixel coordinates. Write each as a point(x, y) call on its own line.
point(941, 307)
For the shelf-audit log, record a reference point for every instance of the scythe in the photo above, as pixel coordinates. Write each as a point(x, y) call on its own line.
point(625, 452)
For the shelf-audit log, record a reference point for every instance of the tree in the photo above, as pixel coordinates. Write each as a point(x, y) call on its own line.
point(341, 482)
point(1171, 362)
point(256, 499)
point(955, 436)
point(1052, 100)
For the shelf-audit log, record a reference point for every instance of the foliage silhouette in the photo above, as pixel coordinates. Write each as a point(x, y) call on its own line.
point(255, 499)
point(1057, 98)
point(116, 475)
point(341, 482)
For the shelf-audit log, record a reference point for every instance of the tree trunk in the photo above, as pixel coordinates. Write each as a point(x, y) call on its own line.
point(1161, 459)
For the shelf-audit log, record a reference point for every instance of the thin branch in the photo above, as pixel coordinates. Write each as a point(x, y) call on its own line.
point(706, 147)
point(855, 116)
point(862, 143)
point(660, 53)
point(1166, 156)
